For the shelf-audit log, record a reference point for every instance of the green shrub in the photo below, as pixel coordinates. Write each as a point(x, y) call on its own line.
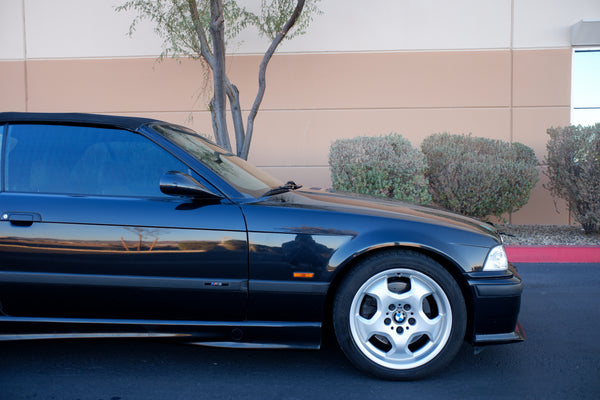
point(386, 166)
point(574, 171)
point(479, 177)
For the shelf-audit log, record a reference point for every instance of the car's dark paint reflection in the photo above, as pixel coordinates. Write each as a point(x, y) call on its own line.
point(131, 250)
point(276, 256)
point(274, 260)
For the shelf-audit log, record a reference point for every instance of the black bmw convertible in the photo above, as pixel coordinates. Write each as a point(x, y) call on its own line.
point(129, 227)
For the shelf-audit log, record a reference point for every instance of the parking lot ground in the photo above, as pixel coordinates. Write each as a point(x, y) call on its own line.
point(559, 360)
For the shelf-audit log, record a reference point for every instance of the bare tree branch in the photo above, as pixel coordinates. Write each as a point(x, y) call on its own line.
point(204, 49)
point(198, 43)
point(262, 83)
point(236, 114)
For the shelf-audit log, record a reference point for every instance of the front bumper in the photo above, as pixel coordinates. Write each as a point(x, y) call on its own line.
point(495, 307)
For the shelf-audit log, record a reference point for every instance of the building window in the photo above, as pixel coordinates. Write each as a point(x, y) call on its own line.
point(585, 87)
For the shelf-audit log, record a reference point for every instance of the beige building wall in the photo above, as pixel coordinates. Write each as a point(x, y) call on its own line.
point(499, 69)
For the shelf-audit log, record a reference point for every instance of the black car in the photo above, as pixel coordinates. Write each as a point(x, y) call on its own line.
point(129, 227)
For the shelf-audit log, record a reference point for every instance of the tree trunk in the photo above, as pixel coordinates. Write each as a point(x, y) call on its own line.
point(217, 31)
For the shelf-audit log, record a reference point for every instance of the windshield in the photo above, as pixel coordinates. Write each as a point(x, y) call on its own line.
point(245, 177)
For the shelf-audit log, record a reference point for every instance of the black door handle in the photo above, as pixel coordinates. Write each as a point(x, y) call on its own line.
point(21, 218)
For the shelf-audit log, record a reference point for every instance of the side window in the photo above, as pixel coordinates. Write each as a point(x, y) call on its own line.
point(2, 127)
point(84, 161)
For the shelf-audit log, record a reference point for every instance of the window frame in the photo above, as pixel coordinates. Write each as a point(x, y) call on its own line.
point(4, 130)
point(575, 50)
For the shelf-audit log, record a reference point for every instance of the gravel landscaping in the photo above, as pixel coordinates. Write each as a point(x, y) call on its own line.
point(547, 235)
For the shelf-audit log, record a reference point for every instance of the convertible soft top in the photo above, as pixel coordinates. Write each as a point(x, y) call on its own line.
point(130, 123)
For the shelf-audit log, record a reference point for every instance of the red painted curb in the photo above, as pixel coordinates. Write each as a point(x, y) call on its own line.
point(553, 254)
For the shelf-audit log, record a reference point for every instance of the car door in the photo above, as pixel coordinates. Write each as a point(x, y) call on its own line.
point(86, 233)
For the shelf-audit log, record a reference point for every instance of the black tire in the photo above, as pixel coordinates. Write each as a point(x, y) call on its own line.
point(399, 315)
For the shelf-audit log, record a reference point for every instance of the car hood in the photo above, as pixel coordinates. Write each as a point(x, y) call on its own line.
point(375, 207)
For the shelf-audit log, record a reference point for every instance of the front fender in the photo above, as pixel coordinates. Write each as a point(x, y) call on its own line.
point(467, 257)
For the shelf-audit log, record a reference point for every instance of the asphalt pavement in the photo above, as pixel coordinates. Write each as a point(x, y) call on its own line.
point(559, 360)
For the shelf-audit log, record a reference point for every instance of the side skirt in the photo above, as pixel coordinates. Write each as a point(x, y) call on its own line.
point(231, 334)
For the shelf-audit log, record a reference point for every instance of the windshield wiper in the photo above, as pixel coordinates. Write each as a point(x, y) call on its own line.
point(290, 185)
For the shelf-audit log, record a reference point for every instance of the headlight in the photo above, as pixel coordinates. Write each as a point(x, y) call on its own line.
point(496, 260)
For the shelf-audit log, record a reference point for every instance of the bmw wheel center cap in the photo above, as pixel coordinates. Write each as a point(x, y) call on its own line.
point(400, 317)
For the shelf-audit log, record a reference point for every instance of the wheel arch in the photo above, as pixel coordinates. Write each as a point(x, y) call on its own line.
point(445, 261)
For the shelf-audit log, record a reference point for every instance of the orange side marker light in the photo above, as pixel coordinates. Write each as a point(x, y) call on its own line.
point(304, 274)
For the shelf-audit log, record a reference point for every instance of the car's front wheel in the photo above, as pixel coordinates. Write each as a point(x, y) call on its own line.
point(399, 315)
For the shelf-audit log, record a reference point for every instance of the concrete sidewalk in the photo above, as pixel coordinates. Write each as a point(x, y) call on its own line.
point(553, 254)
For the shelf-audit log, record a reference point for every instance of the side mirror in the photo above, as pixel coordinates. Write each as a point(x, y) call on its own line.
point(176, 183)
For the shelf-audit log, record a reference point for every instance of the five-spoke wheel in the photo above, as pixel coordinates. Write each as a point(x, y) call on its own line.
point(399, 315)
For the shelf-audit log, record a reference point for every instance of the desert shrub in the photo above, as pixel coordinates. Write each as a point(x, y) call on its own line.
point(479, 177)
point(385, 166)
point(574, 171)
